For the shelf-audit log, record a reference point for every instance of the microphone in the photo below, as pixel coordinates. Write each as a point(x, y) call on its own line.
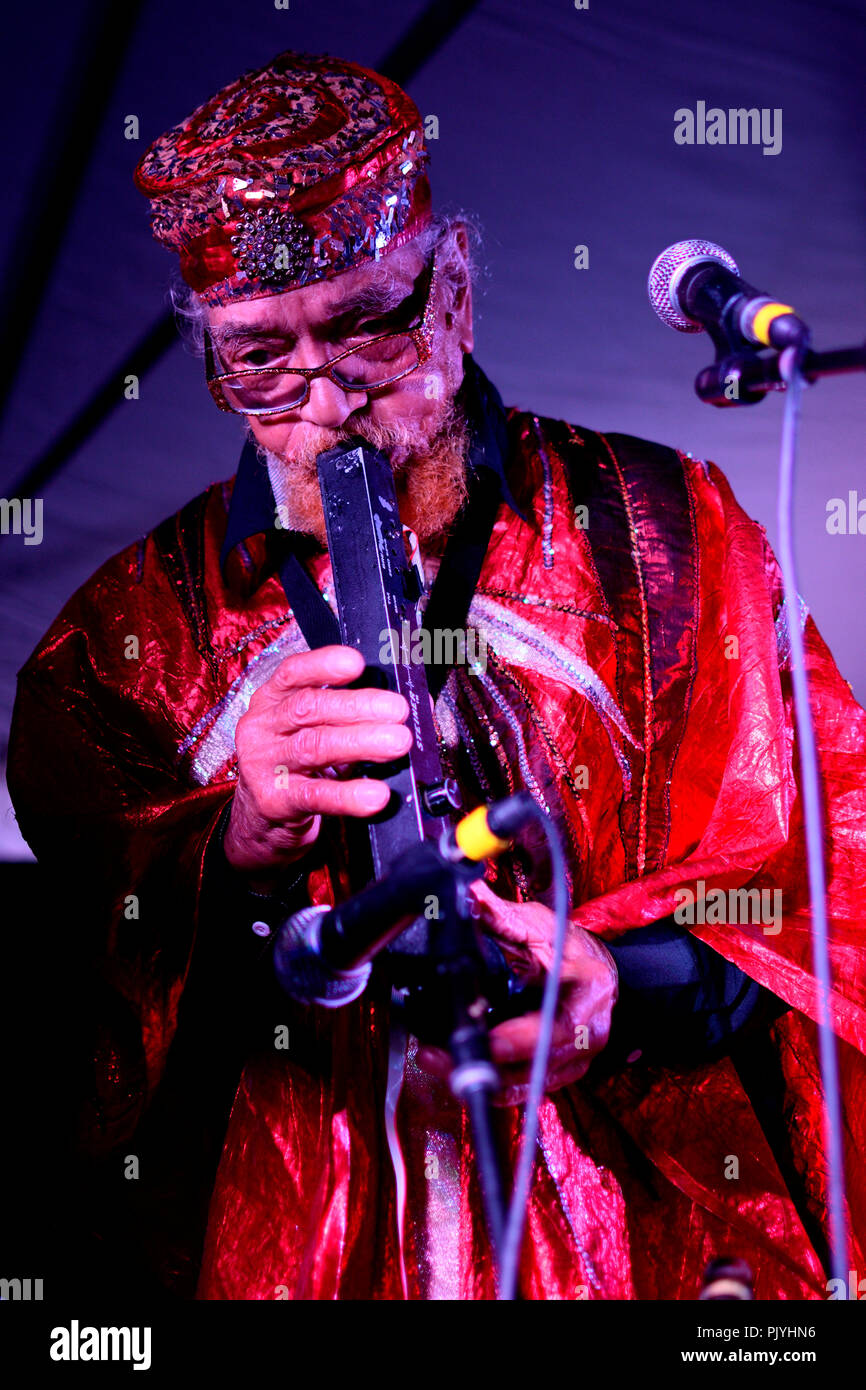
point(695, 286)
point(303, 969)
point(488, 830)
point(323, 955)
point(727, 1279)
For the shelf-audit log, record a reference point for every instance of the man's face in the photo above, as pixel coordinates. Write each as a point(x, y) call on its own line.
point(414, 420)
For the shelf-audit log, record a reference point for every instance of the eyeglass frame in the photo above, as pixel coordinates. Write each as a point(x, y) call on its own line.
point(422, 337)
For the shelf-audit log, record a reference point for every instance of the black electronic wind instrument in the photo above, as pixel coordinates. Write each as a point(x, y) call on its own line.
point(417, 920)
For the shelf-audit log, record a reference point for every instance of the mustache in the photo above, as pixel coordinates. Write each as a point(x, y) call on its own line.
point(401, 441)
point(392, 439)
point(428, 462)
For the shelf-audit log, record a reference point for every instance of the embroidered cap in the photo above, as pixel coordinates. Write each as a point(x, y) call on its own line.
point(299, 171)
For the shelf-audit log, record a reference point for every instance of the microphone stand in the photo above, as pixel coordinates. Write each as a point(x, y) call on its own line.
point(746, 376)
point(451, 1008)
point(323, 956)
point(743, 376)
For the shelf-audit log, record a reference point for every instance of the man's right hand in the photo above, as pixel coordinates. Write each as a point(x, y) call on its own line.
point(297, 730)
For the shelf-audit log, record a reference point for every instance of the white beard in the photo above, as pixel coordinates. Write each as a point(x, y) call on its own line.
point(432, 486)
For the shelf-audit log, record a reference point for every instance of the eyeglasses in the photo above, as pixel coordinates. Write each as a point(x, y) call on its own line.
point(366, 366)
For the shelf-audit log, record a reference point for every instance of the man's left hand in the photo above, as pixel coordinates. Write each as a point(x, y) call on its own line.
point(588, 992)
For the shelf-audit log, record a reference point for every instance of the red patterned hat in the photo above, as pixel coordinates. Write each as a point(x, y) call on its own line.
point(297, 172)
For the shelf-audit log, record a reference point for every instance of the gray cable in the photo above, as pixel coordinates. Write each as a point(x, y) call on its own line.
point(517, 1207)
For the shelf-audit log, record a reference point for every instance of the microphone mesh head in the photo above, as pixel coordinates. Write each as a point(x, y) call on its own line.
point(665, 275)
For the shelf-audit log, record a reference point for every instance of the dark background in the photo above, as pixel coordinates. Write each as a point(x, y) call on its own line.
point(555, 128)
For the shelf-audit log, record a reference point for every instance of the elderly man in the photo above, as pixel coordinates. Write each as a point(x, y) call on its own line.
point(636, 685)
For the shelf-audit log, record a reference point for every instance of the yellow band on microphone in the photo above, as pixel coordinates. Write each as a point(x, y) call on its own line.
point(474, 837)
point(763, 319)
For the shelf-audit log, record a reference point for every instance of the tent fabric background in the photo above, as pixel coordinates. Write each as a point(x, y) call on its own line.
point(556, 129)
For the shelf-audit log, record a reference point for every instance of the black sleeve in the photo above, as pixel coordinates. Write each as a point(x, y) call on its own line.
point(233, 975)
point(227, 893)
point(680, 1003)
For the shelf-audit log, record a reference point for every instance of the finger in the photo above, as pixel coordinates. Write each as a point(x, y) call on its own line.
point(311, 705)
point(436, 1061)
point(485, 894)
point(310, 749)
point(514, 1089)
point(500, 915)
point(516, 1039)
point(321, 796)
point(564, 1065)
point(333, 665)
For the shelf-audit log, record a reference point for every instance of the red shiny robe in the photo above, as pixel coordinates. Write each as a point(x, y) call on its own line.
point(637, 683)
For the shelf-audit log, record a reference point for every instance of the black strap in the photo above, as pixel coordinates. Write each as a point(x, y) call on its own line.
point(315, 619)
point(456, 580)
point(452, 589)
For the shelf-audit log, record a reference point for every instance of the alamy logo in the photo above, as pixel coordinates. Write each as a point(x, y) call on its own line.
point(855, 1290)
point(22, 517)
point(76, 1343)
point(737, 126)
point(20, 1290)
point(739, 906)
point(846, 521)
point(444, 646)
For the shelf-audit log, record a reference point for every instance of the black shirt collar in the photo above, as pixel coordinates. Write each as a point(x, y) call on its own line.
point(252, 509)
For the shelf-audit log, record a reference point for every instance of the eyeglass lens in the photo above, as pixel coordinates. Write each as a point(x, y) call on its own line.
point(372, 365)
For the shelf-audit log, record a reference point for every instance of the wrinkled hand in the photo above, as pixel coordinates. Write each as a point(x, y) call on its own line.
point(588, 992)
point(297, 731)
